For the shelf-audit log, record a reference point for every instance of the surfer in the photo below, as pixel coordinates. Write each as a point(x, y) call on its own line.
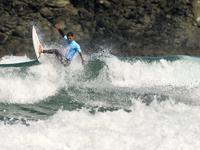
point(73, 48)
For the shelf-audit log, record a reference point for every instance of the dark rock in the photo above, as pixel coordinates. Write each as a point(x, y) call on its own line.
point(130, 27)
point(3, 38)
point(19, 31)
point(46, 13)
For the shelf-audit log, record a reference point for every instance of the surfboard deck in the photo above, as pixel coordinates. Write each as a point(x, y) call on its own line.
point(36, 43)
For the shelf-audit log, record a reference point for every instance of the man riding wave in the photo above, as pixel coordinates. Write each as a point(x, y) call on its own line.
point(73, 48)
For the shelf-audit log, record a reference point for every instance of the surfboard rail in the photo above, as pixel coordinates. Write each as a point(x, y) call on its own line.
point(21, 64)
point(36, 43)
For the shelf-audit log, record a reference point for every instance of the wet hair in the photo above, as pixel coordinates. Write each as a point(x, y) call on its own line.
point(69, 34)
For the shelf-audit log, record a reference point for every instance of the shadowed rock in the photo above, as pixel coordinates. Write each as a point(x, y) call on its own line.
point(128, 27)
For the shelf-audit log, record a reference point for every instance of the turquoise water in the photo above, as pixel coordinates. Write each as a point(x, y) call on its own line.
point(111, 103)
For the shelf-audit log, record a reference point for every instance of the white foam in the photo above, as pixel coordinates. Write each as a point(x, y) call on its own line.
point(178, 78)
point(180, 72)
point(159, 126)
point(36, 83)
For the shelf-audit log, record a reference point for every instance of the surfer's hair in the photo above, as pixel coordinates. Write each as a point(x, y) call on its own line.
point(70, 34)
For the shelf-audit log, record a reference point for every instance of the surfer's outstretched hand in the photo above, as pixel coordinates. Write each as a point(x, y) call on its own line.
point(83, 63)
point(57, 27)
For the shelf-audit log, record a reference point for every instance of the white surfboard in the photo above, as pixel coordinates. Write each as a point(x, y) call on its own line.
point(36, 43)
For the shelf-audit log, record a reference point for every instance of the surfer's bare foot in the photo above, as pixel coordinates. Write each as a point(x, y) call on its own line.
point(40, 49)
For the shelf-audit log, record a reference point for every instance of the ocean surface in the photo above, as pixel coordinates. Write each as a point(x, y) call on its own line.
point(113, 103)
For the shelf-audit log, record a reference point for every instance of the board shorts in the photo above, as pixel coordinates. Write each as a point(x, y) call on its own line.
point(66, 62)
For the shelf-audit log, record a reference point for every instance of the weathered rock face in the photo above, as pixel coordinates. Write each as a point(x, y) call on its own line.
point(128, 27)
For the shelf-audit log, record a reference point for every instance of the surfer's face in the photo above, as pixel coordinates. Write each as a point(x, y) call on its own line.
point(70, 38)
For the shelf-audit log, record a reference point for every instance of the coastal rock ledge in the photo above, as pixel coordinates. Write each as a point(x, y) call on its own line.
point(123, 27)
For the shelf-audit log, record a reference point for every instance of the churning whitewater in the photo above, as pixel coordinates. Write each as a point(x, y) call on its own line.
point(110, 104)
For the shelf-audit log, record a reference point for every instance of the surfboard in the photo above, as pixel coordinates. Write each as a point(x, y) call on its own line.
point(36, 43)
point(21, 64)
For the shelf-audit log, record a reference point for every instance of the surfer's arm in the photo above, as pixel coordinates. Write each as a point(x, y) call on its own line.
point(60, 31)
point(81, 54)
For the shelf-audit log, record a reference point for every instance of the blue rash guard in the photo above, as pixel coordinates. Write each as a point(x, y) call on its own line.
point(73, 48)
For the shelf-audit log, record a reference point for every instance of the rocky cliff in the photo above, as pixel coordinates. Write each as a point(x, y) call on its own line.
point(125, 27)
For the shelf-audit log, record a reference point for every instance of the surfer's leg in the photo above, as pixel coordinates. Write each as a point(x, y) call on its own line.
point(66, 62)
point(56, 52)
point(50, 51)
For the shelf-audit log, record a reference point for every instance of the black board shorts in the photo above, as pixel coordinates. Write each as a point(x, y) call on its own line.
point(66, 62)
